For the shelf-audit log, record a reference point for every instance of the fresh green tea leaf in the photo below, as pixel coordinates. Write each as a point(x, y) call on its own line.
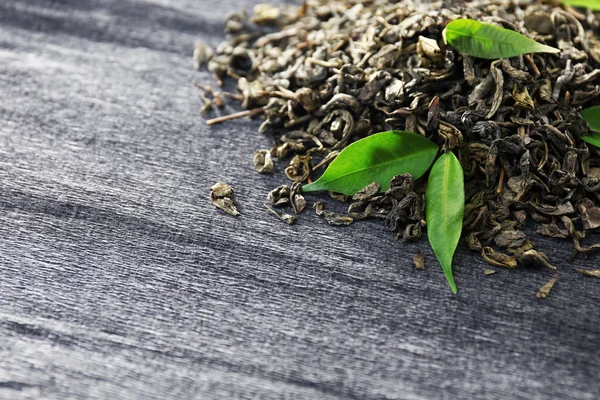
point(591, 4)
point(376, 158)
point(592, 138)
point(592, 117)
point(444, 210)
point(483, 40)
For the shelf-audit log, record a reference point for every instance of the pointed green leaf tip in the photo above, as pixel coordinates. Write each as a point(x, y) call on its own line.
point(444, 210)
point(592, 117)
point(483, 40)
point(376, 158)
point(591, 4)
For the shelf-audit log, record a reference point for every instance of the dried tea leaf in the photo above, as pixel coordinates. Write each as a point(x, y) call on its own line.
point(226, 204)
point(279, 196)
point(488, 271)
point(221, 195)
point(590, 214)
point(484, 40)
point(296, 199)
point(498, 259)
point(545, 290)
point(332, 218)
point(533, 257)
point(202, 54)
point(419, 260)
point(445, 202)
point(367, 192)
point(263, 162)
point(221, 189)
point(285, 217)
point(299, 168)
point(593, 273)
point(376, 158)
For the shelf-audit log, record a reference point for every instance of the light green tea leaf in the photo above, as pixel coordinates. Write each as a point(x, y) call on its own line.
point(483, 40)
point(592, 117)
point(591, 4)
point(444, 210)
point(376, 158)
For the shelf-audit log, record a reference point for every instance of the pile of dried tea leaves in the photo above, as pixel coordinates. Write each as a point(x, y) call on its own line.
point(330, 72)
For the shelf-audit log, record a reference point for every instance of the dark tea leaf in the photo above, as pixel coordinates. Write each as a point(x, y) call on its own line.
point(376, 158)
point(445, 203)
point(483, 40)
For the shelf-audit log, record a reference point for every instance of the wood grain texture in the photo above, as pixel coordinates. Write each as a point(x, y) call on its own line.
point(119, 279)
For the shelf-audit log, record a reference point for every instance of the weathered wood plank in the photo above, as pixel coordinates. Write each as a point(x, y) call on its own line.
point(118, 279)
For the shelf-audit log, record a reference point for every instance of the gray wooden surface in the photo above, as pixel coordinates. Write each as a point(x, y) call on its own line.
point(118, 278)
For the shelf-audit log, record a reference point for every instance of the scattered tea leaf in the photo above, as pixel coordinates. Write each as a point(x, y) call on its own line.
point(533, 257)
point(285, 217)
point(296, 199)
point(488, 271)
point(263, 162)
point(367, 192)
point(545, 290)
point(483, 40)
point(445, 203)
point(591, 4)
point(221, 195)
point(376, 158)
point(332, 218)
point(419, 260)
point(498, 259)
point(594, 273)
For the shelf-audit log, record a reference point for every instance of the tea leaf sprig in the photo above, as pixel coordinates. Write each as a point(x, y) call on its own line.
point(489, 41)
point(379, 157)
point(376, 158)
point(444, 210)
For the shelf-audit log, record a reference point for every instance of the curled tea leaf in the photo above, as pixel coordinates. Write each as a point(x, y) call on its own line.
point(482, 40)
point(285, 217)
point(376, 158)
point(332, 218)
point(445, 203)
point(299, 168)
point(221, 195)
point(263, 162)
point(533, 257)
point(296, 199)
point(498, 259)
point(419, 260)
point(279, 196)
point(202, 54)
point(367, 192)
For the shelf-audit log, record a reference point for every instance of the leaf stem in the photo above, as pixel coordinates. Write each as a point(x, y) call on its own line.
point(241, 114)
